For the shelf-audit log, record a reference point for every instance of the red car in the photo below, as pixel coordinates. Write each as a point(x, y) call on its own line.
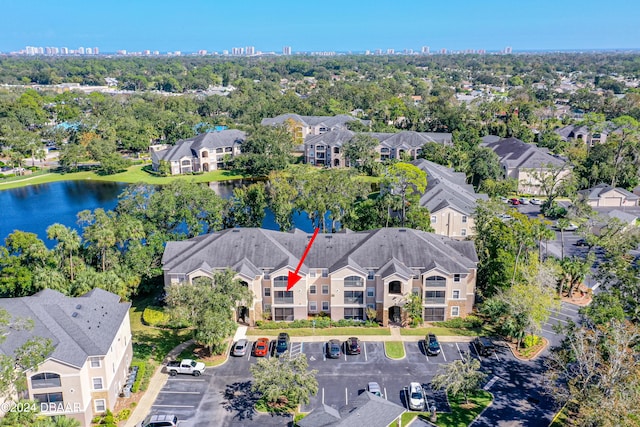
point(261, 347)
point(514, 201)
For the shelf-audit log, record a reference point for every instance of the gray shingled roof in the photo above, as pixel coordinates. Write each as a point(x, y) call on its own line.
point(366, 410)
point(268, 249)
point(446, 188)
point(514, 153)
point(405, 140)
point(594, 193)
point(210, 140)
point(330, 122)
point(90, 333)
point(334, 138)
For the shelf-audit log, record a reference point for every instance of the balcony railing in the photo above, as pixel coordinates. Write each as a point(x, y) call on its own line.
point(283, 300)
point(354, 300)
point(434, 301)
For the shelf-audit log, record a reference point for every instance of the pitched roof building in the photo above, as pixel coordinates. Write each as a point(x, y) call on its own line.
point(604, 195)
point(312, 125)
point(343, 274)
point(450, 200)
point(91, 336)
point(203, 153)
point(525, 162)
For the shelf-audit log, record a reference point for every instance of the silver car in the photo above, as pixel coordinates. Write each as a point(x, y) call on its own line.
point(415, 396)
point(374, 388)
point(240, 347)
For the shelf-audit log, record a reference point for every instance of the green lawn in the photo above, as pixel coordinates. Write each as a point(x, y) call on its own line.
point(460, 416)
point(132, 175)
point(325, 332)
point(188, 353)
point(394, 349)
point(439, 330)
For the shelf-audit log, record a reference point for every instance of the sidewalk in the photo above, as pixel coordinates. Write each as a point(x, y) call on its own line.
point(158, 380)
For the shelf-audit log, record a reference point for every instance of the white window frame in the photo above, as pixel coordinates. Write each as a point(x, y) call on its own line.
point(371, 292)
point(313, 290)
point(96, 404)
point(94, 359)
point(325, 305)
point(464, 219)
point(456, 278)
point(456, 294)
point(325, 287)
point(313, 306)
point(93, 383)
point(371, 275)
point(267, 292)
point(463, 232)
point(434, 219)
point(312, 273)
point(455, 311)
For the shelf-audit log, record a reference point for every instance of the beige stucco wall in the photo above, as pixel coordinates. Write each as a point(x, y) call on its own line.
point(449, 222)
point(529, 184)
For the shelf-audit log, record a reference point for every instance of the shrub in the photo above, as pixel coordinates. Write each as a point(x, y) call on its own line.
point(123, 415)
point(155, 316)
point(469, 322)
point(142, 370)
point(531, 341)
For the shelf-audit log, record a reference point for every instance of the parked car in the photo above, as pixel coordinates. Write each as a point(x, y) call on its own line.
point(333, 349)
point(570, 227)
point(535, 201)
point(514, 201)
point(185, 366)
point(582, 242)
point(484, 346)
point(261, 347)
point(432, 345)
point(282, 344)
point(374, 388)
point(159, 421)
point(240, 347)
point(523, 201)
point(505, 217)
point(352, 346)
point(415, 397)
point(504, 200)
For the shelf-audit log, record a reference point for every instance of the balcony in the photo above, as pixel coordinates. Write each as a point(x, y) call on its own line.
point(354, 300)
point(283, 297)
point(434, 301)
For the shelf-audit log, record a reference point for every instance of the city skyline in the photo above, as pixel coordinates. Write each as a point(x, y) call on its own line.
point(191, 26)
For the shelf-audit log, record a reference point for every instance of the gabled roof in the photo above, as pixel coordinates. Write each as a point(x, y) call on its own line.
point(210, 140)
point(268, 249)
point(447, 188)
point(403, 140)
point(599, 190)
point(90, 332)
point(334, 138)
point(624, 217)
point(393, 266)
point(514, 153)
point(330, 122)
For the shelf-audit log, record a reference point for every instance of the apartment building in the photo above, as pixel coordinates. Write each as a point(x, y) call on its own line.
point(303, 126)
point(344, 273)
point(203, 153)
point(88, 367)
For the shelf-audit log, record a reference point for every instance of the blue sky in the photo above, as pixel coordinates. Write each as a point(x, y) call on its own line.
point(330, 25)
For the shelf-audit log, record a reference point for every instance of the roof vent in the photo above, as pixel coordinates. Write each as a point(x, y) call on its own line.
point(74, 314)
point(403, 230)
point(78, 307)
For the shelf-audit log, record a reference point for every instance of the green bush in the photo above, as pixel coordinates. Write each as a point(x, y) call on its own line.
point(123, 415)
point(9, 175)
point(142, 371)
point(531, 341)
point(155, 316)
point(469, 322)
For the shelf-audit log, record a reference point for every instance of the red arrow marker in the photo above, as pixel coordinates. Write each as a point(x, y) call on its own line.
point(292, 278)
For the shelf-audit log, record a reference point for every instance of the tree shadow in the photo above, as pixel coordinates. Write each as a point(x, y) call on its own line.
point(239, 398)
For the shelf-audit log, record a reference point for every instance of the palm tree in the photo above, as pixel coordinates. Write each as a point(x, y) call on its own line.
point(574, 271)
point(68, 241)
point(62, 421)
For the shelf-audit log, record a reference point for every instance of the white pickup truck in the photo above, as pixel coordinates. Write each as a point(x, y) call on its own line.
point(185, 366)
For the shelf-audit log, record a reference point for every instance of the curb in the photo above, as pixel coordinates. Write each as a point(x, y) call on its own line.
point(485, 408)
point(535, 356)
point(404, 351)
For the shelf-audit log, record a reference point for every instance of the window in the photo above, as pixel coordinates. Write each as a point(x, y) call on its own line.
point(280, 282)
point(464, 219)
point(353, 282)
point(313, 306)
point(325, 289)
point(371, 292)
point(434, 297)
point(101, 405)
point(95, 362)
point(313, 289)
point(97, 383)
point(463, 232)
point(283, 297)
point(205, 154)
point(267, 292)
point(228, 149)
point(325, 305)
point(456, 277)
point(186, 163)
point(395, 287)
point(371, 306)
point(45, 379)
point(456, 294)
point(283, 314)
point(353, 297)
point(455, 311)
point(354, 313)
point(415, 291)
point(370, 275)
point(436, 281)
point(55, 398)
point(267, 308)
point(434, 219)
point(325, 272)
point(433, 314)
point(312, 273)
point(218, 150)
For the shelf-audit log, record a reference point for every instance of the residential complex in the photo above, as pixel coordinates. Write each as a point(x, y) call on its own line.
point(92, 352)
point(203, 153)
point(604, 195)
point(344, 273)
point(302, 126)
point(450, 200)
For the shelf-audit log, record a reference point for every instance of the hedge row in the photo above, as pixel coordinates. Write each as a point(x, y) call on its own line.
point(142, 370)
point(469, 322)
point(320, 323)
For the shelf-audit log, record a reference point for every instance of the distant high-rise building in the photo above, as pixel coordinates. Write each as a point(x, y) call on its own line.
point(378, 52)
point(121, 52)
point(177, 53)
point(408, 51)
point(443, 51)
point(40, 50)
point(367, 52)
point(146, 52)
point(424, 50)
point(47, 51)
point(202, 52)
point(88, 51)
point(96, 51)
point(390, 51)
point(250, 50)
point(156, 52)
point(64, 50)
point(286, 50)
point(225, 52)
point(508, 50)
point(237, 51)
point(80, 51)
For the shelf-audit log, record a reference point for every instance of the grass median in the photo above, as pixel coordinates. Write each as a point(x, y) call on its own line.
point(394, 349)
point(462, 414)
point(324, 332)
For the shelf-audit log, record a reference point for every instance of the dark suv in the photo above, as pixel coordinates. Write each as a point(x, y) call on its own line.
point(432, 345)
point(352, 346)
point(282, 344)
point(485, 346)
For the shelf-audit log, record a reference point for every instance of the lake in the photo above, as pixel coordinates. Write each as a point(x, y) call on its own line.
point(36, 207)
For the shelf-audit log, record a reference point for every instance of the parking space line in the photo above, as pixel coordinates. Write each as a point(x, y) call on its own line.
point(559, 320)
point(569, 308)
point(496, 355)
point(475, 350)
point(385, 393)
point(185, 379)
point(459, 352)
point(323, 395)
point(172, 406)
point(301, 347)
point(180, 392)
point(346, 396)
point(443, 356)
point(491, 382)
point(365, 350)
point(249, 355)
